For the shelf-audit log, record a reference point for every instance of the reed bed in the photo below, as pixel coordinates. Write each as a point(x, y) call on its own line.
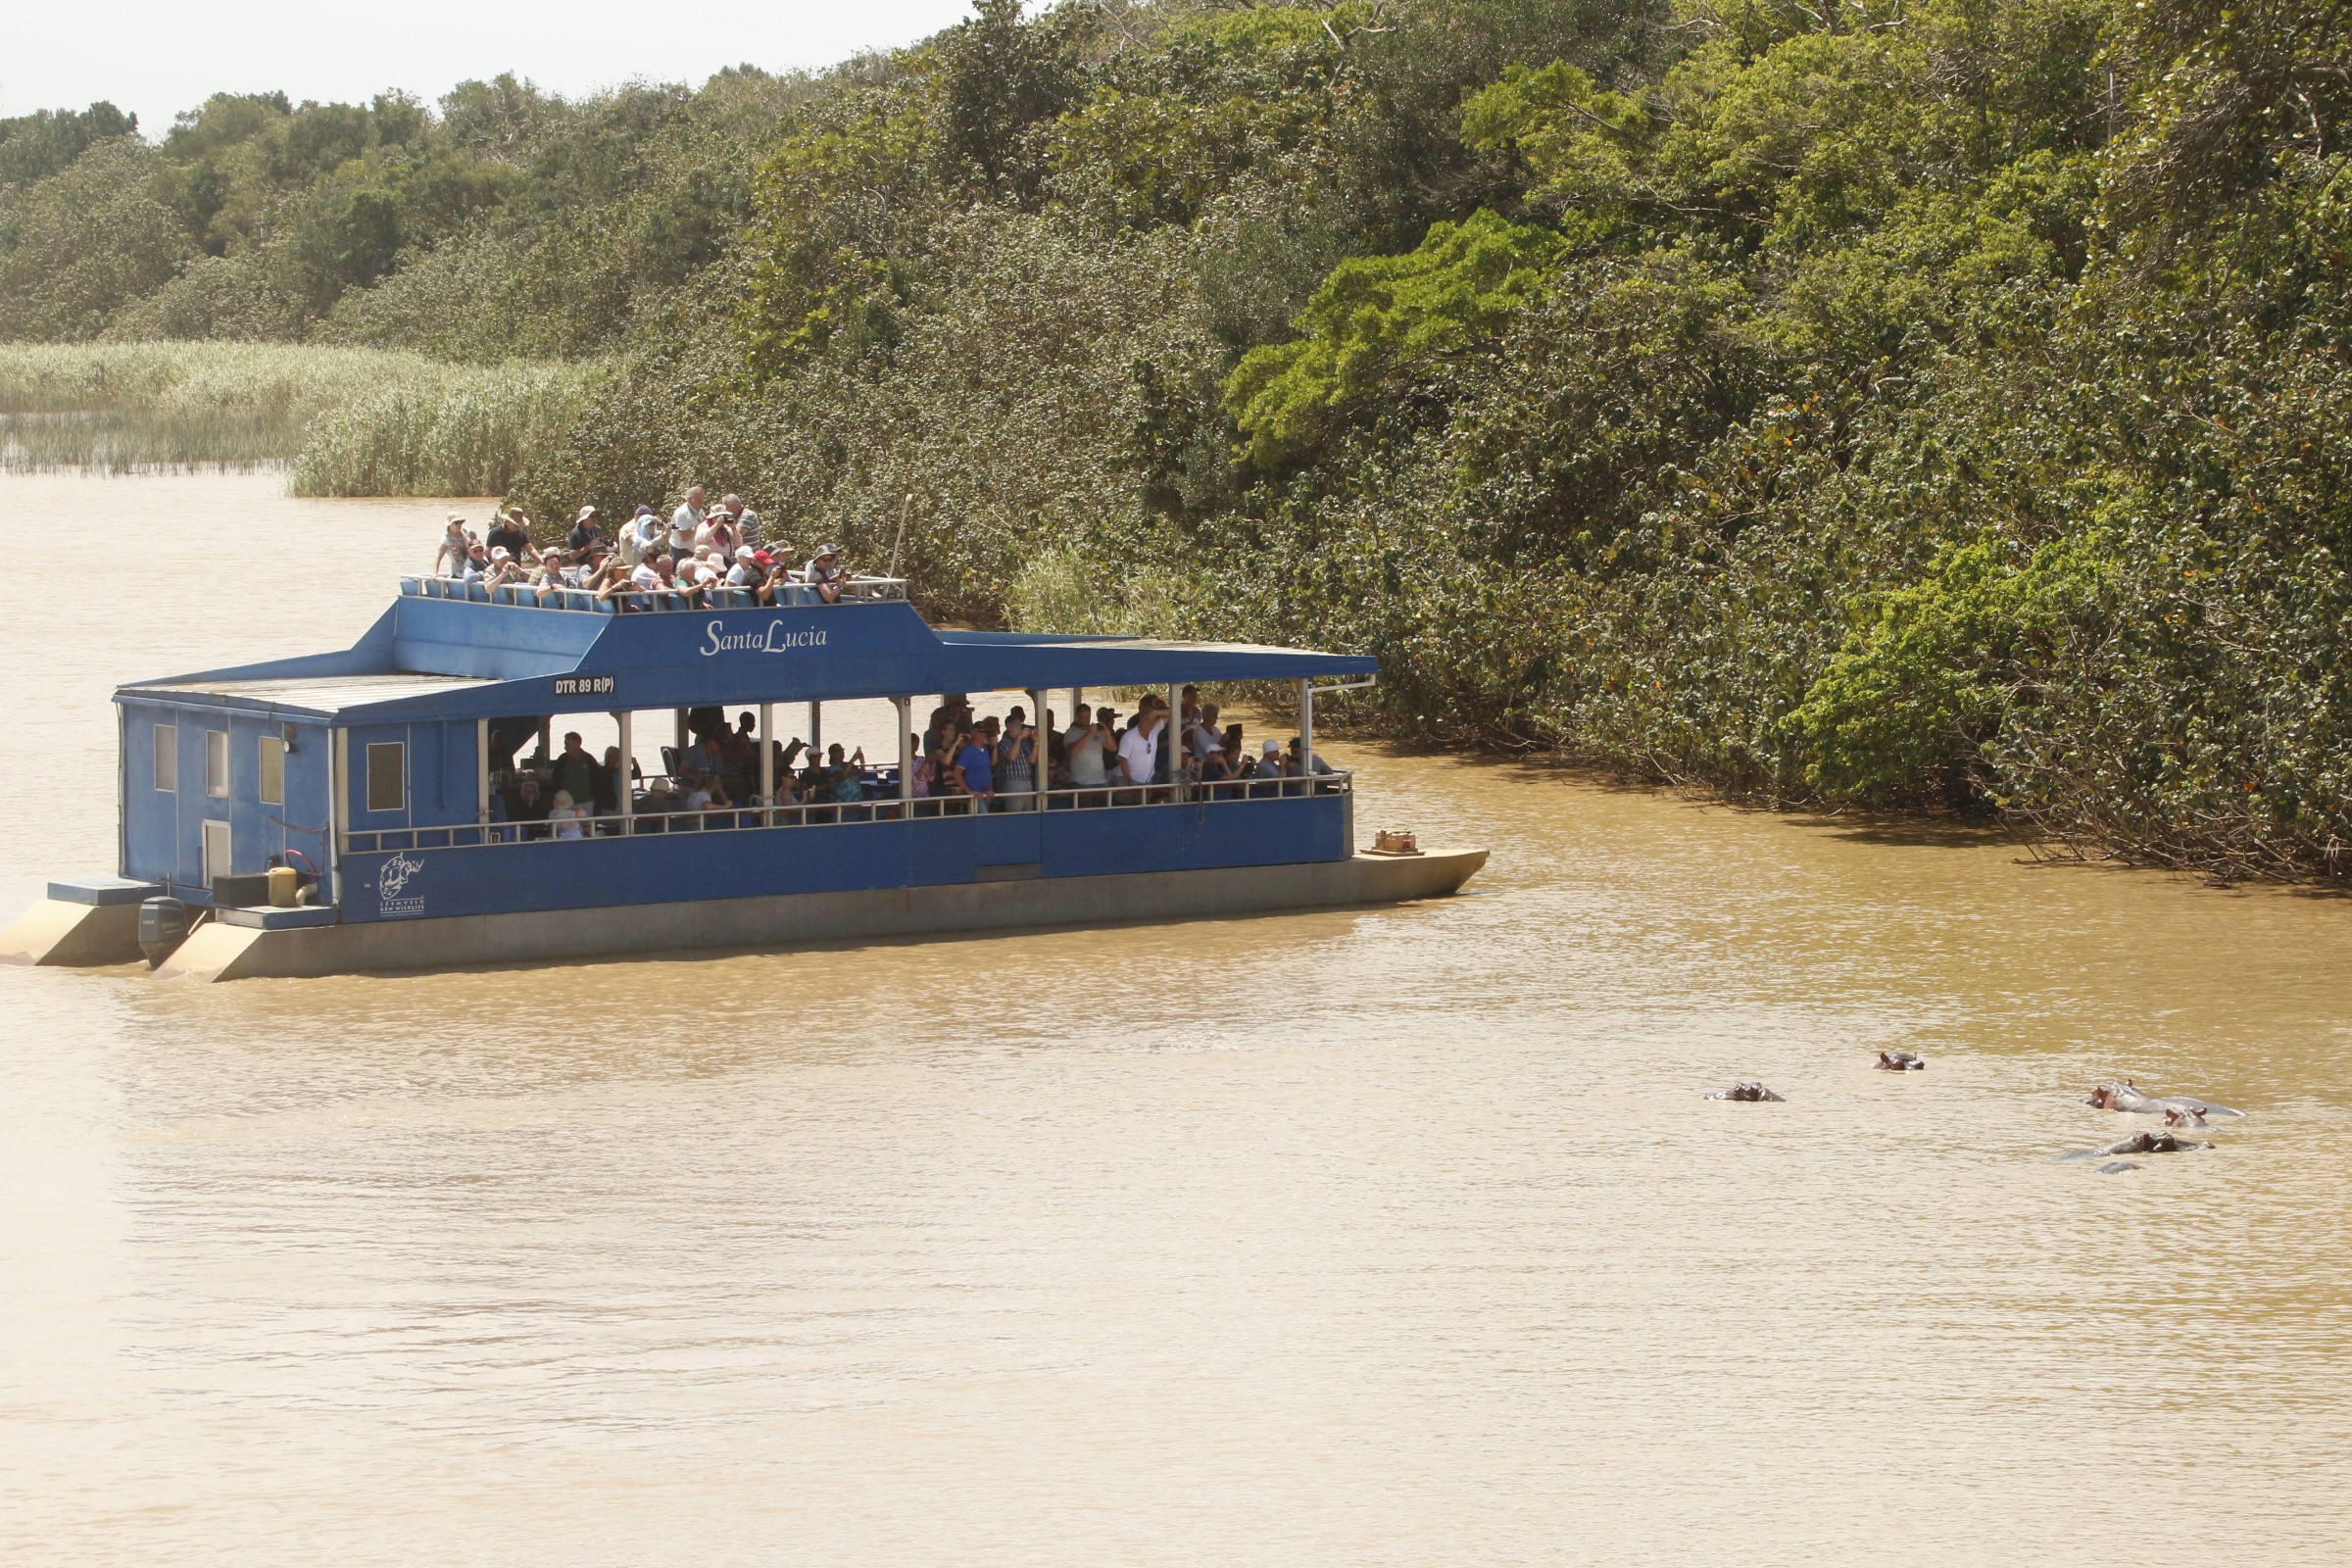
point(349, 421)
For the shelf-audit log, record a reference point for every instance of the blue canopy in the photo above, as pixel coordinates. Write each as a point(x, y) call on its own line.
point(497, 661)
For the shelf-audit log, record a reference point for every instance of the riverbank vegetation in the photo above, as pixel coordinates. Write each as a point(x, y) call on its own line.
point(1928, 403)
point(349, 421)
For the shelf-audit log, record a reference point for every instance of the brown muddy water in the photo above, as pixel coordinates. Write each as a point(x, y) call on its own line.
point(1394, 1237)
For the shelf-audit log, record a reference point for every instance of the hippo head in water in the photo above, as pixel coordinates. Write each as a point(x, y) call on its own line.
point(2185, 1116)
point(2131, 1098)
point(2151, 1144)
point(1901, 1061)
point(1743, 1090)
point(2118, 1097)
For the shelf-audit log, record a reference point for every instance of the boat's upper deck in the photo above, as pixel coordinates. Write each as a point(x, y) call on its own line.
point(431, 657)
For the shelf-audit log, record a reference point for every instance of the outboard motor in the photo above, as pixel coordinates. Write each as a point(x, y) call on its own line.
point(162, 926)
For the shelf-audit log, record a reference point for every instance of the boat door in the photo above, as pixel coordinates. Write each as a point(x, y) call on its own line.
point(213, 852)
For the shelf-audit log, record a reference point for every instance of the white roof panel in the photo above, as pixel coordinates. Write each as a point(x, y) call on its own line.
point(317, 694)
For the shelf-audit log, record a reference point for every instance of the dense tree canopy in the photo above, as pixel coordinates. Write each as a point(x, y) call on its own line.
point(1920, 403)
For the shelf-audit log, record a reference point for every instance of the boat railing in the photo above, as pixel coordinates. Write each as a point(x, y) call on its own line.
point(786, 596)
point(845, 814)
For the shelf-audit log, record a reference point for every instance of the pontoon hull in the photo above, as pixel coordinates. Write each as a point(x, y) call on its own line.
point(226, 951)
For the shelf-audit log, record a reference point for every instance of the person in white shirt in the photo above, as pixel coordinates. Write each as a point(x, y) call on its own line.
point(1139, 751)
point(567, 818)
point(648, 577)
point(1084, 746)
point(718, 533)
point(685, 523)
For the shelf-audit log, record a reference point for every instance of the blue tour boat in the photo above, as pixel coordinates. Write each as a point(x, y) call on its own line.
point(348, 812)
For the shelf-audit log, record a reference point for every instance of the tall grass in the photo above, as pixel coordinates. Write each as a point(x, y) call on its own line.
point(351, 421)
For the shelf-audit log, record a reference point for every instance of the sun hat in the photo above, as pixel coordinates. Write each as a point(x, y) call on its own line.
point(1271, 749)
point(823, 551)
point(499, 553)
point(643, 510)
point(585, 514)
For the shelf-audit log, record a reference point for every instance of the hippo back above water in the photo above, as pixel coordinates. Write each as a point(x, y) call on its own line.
point(2133, 1099)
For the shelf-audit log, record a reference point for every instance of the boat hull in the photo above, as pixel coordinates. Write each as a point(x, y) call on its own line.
point(222, 951)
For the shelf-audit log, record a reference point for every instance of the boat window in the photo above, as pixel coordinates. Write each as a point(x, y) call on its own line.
point(215, 761)
point(387, 777)
point(274, 770)
point(212, 848)
point(167, 756)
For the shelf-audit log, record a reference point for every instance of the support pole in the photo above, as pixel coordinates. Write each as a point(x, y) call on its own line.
point(338, 785)
point(624, 788)
point(1306, 735)
point(1171, 741)
point(1037, 748)
point(481, 775)
point(817, 732)
point(906, 711)
point(767, 763)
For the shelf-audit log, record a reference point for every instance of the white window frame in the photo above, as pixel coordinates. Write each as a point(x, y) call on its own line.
point(270, 784)
point(167, 758)
point(367, 775)
point(216, 764)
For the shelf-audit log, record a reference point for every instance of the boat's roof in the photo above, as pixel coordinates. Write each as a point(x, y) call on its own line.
point(440, 659)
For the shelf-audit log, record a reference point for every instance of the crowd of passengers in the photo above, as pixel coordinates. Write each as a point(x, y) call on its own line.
point(703, 548)
point(963, 764)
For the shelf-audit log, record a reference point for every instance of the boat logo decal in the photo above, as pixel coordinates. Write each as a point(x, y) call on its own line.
point(392, 879)
point(775, 640)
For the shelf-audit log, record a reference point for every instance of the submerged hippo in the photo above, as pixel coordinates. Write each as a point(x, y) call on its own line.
point(2185, 1116)
point(1901, 1061)
point(2150, 1143)
point(2130, 1098)
point(2116, 1168)
point(1742, 1091)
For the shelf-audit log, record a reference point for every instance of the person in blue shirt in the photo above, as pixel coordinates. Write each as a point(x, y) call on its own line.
point(973, 771)
point(704, 757)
